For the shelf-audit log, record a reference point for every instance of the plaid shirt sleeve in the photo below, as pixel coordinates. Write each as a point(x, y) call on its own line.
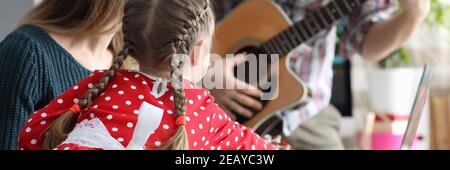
point(358, 24)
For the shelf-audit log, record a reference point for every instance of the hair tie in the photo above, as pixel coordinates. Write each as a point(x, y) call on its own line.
point(75, 108)
point(181, 120)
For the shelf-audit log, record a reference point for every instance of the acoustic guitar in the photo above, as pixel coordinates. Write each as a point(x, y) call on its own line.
point(262, 27)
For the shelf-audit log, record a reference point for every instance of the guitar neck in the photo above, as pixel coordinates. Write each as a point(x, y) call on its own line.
point(311, 25)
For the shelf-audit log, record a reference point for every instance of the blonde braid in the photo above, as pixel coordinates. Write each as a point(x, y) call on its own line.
point(63, 125)
point(191, 29)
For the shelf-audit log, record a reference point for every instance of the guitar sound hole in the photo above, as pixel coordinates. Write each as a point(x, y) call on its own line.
point(256, 51)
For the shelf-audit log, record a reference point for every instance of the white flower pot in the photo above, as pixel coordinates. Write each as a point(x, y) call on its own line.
point(392, 91)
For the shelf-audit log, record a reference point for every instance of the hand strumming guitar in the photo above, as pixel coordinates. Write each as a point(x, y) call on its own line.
point(235, 100)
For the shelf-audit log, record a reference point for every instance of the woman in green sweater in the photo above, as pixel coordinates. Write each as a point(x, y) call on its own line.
point(58, 44)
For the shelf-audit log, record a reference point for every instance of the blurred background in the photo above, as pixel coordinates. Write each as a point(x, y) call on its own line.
point(361, 89)
point(11, 12)
point(385, 88)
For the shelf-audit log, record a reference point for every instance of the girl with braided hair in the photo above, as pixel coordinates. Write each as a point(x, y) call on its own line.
point(156, 108)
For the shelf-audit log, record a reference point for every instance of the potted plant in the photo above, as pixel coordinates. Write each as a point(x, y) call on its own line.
point(393, 83)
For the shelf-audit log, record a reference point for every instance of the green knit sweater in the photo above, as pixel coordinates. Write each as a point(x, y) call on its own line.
point(34, 70)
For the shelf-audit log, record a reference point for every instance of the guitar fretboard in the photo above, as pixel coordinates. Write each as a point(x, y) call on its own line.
point(311, 25)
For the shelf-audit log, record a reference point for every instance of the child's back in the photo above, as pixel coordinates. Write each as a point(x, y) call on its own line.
point(131, 104)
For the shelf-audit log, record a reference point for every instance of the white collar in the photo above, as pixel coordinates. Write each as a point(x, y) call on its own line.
point(158, 82)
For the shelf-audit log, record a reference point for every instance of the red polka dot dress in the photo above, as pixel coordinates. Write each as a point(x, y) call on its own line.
point(136, 112)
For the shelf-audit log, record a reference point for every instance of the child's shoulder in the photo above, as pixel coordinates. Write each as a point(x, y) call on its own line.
point(120, 72)
point(197, 95)
point(127, 75)
point(194, 93)
point(125, 80)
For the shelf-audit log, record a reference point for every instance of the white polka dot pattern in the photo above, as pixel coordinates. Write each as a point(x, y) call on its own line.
point(208, 127)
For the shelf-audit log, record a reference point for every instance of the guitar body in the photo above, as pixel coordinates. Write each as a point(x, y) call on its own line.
point(249, 25)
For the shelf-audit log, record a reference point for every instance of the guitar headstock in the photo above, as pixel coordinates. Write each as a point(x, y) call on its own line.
point(278, 142)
